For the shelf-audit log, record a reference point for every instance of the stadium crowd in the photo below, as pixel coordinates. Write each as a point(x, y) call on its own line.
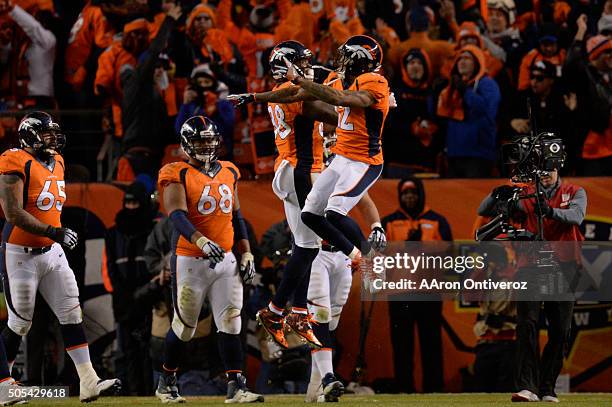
point(462, 73)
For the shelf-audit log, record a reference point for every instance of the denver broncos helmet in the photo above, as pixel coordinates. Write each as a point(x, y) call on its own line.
point(40, 132)
point(201, 139)
point(295, 52)
point(358, 55)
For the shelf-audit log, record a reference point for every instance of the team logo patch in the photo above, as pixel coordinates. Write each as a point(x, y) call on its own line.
point(29, 124)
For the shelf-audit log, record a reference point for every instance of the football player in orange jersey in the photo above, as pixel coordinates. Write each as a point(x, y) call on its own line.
point(361, 97)
point(32, 194)
point(300, 159)
point(201, 199)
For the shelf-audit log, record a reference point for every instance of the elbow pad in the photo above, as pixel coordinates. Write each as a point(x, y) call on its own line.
point(240, 229)
point(182, 224)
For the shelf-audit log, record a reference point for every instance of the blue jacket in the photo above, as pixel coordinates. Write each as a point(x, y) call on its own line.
point(224, 117)
point(476, 135)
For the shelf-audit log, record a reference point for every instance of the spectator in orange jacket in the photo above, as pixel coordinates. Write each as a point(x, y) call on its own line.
point(547, 50)
point(417, 23)
point(90, 29)
point(108, 82)
point(469, 34)
point(238, 32)
point(209, 43)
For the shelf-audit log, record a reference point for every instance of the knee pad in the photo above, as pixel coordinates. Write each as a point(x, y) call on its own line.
point(70, 313)
point(182, 331)
point(230, 321)
point(335, 318)
point(333, 324)
point(20, 326)
point(320, 313)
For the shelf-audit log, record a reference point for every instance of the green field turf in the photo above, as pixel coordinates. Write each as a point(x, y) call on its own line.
point(576, 399)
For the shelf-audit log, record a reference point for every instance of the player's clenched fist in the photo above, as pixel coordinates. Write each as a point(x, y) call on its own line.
point(247, 267)
point(64, 236)
point(213, 251)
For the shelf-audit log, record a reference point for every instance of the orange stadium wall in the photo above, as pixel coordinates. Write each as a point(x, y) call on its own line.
point(590, 359)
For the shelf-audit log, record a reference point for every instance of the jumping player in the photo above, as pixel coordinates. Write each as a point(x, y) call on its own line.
point(201, 199)
point(300, 160)
point(361, 97)
point(32, 194)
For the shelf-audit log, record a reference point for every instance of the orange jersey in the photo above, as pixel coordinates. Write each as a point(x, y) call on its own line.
point(210, 202)
point(359, 130)
point(294, 135)
point(44, 194)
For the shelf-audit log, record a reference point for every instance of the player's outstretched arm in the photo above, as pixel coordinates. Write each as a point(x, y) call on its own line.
point(368, 209)
point(247, 261)
point(11, 198)
point(288, 94)
point(175, 202)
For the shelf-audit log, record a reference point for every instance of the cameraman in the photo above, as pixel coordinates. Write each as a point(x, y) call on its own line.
point(206, 96)
point(563, 206)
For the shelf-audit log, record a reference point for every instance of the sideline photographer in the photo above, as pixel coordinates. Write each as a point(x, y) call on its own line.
point(561, 207)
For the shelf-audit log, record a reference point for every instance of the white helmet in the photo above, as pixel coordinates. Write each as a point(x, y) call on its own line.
point(507, 6)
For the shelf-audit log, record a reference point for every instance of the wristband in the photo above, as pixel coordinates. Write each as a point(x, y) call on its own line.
point(376, 225)
point(201, 242)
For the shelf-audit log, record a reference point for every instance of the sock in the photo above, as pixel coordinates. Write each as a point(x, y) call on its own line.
point(5, 369)
point(350, 228)
point(315, 378)
point(230, 350)
point(78, 350)
point(275, 309)
point(323, 358)
point(172, 355)
point(323, 227)
point(300, 297)
point(298, 265)
point(12, 341)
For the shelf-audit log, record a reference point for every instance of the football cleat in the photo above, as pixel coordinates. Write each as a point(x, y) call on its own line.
point(300, 324)
point(524, 396)
point(274, 325)
point(332, 388)
point(6, 399)
point(237, 392)
point(91, 391)
point(550, 399)
point(167, 390)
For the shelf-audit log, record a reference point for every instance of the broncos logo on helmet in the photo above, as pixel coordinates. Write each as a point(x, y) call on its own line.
point(358, 55)
point(293, 51)
point(41, 133)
